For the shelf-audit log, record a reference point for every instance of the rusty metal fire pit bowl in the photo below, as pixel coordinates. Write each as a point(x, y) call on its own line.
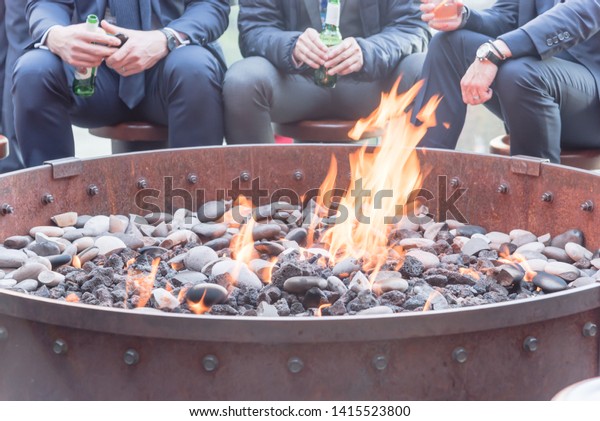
point(57, 350)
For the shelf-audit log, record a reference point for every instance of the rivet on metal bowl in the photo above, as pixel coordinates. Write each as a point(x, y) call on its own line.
point(192, 178)
point(131, 357)
point(530, 344)
point(210, 363)
point(587, 206)
point(298, 175)
point(47, 199)
point(142, 183)
point(93, 190)
point(6, 209)
point(590, 330)
point(245, 176)
point(548, 197)
point(380, 362)
point(455, 182)
point(60, 347)
point(3, 333)
point(460, 355)
point(502, 189)
point(295, 365)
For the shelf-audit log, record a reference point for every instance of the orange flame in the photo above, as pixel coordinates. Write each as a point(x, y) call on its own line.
point(470, 272)
point(520, 262)
point(199, 307)
point(386, 177)
point(141, 282)
point(76, 262)
point(72, 298)
point(320, 309)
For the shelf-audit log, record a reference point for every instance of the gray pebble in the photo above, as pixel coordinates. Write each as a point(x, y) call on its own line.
point(301, 284)
point(209, 231)
point(335, 284)
point(549, 283)
point(298, 235)
point(577, 252)
point(164, 299)
point(386, 281)
point(29, 270)
point(28, 285)
point(346, 267)
point(359, 283)
point(581, 282)
point(46, 248)
point(533, 246)
point(109, 244)
point(270, 248)
point(410, 243)
point(212, 211)
point(524, 237)
point(557, 253)
point(571, 236)
point(17, 242)
point(498, 237)
point(81, 220)
point(50, 279)
point(67, 219)
point(266, 310)
point(564, 270)
point(429, 260)
point(118, 224)
point(7, 283)
point(73, 235)
point(378, 310)
point(96, 226)
point(266, 231)
point(190, 277)
point(198, 257)
point(474, 246)
point(210, 294)
point(243, 276)
point(47, 230)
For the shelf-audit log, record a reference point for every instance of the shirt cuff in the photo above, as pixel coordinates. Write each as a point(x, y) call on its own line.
point(519, 43)
point(42, 43)
point(182, 42)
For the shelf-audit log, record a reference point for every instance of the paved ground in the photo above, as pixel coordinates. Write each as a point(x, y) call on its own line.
point(481, 126)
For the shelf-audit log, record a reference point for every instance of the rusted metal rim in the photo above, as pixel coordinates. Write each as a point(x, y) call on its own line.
point(300, 330)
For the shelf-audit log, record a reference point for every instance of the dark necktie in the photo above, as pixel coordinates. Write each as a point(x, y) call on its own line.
point(127, 13)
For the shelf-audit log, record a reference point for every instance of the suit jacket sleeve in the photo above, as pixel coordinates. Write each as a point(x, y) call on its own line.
point(43, 14)
point(501, 18)
point(203, 21)
point(402, 33)
point(263, 33)
point(563, 26)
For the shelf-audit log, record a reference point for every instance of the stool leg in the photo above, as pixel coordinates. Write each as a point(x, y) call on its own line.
point(123, 146)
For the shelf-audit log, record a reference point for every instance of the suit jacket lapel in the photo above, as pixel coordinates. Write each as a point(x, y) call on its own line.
point(312, 8)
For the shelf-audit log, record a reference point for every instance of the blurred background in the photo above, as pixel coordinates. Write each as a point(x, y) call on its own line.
point(480, 128)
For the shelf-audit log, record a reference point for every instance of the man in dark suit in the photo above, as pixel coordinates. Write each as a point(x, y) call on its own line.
point(280, 40)
point(14, 38)
point(168, 72)
point(534, 63)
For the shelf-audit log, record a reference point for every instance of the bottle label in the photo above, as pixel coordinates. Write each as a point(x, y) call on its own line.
point(333, 14)
point(83, 73)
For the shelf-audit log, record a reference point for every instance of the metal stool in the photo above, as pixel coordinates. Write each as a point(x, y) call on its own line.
point(587, 159)
point(322, 131)
point(133, 136)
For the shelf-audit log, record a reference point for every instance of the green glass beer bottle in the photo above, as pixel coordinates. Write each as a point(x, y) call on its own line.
point(331, 37)
point(83, 84)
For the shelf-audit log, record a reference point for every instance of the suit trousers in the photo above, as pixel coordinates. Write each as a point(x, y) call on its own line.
point(14, 28)
point(545, 104)
point(183, 91)
point(256, 94)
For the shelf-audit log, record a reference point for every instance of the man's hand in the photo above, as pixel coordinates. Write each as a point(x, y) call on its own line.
point(345, 58)
point(79, 47)
point(475, 84)
point(142, 50)
point(428, 8)
point(310, 50)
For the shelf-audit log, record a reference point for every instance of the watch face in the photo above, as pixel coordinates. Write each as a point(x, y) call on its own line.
point(482, 51)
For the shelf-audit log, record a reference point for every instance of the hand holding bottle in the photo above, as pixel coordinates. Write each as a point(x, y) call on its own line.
point(442, 15)
point(345, 58)
point(80, 48)
point(310, 50)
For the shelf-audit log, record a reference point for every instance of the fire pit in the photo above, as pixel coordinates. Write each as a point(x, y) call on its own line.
point(527, 349)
